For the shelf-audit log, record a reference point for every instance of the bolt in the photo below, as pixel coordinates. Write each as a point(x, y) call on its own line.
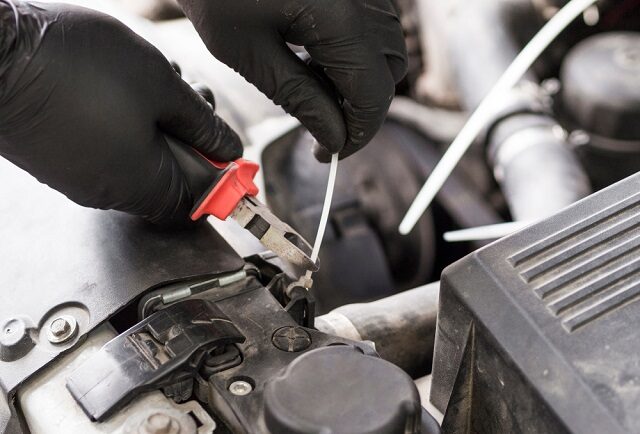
point(62, 329)
point(291, 339)
point(240, 388)
point(159, 423)
point(59, 327)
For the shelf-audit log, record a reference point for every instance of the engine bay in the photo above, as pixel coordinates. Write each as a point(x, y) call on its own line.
point(108, 324)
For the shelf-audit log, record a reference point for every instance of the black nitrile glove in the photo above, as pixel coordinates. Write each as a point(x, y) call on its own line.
point(85, 105)
point(358, 44)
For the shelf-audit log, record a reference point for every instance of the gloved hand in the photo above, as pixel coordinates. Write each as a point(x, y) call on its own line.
point(85, 105)
point(358, 44)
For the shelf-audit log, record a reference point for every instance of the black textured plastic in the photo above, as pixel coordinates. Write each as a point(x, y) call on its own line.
point(142, 358)
point(538, 332)
point(339, 389)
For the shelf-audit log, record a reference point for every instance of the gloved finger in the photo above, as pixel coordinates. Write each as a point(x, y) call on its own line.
point(384, 24)
point(397, 61)
point(188, 117)
point(295, 87)
point(290, 83)
point(249, 42)
point(394, 48)
point(351, 57)
point(367, 87)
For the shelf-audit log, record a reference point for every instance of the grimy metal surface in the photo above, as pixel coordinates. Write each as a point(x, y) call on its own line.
point(57, 257)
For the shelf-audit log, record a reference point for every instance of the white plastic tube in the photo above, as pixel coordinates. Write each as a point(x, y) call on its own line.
point(326, 207)
point(491, 103)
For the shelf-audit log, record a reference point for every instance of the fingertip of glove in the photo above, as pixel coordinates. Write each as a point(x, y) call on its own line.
point(223, 143)
point(230, 150)
point(329, 131)
point(231, 147)
point(321, 153)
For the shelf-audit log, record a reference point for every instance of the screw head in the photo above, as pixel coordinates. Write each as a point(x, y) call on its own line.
point(61, 329)
point(291, 339)
point(240, 388)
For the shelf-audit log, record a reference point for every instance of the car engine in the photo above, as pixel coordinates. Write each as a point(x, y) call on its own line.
point(108, 325)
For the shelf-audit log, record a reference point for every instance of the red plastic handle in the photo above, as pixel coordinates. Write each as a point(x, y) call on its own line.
point(224, 196)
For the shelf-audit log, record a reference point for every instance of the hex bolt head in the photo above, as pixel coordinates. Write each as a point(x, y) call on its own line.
point(61, 329)
point(240, 388)
point(291, 339)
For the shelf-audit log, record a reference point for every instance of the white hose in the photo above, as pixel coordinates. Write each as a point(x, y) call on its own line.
point(326, 207)
point(489, 106)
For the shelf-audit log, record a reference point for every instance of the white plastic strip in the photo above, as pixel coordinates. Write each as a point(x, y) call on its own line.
point(481, 233)
point(326, 207)
point(488, 107)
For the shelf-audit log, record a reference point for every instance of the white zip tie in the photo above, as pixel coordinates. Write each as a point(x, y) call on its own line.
point(324, 217)
point(482, 233)
point(482, 115)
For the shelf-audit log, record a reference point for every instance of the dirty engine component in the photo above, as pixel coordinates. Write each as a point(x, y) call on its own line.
point(601, 97)
point(538, 332)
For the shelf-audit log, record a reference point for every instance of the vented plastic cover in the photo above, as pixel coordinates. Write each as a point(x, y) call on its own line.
point(539, 332)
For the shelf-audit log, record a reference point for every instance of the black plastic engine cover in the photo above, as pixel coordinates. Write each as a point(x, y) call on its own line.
point(538, 332)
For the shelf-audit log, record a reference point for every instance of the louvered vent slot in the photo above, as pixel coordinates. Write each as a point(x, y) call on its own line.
point(588, 269)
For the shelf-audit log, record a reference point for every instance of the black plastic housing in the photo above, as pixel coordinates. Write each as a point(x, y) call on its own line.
point(538, 332)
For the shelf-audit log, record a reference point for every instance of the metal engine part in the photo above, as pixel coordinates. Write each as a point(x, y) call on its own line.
point(501, 357)
point(252, 366)
point(87, 265)
point(601, 96)
point(529, 154)
point(48, 407)
point(402, 326)
point(538, 172)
